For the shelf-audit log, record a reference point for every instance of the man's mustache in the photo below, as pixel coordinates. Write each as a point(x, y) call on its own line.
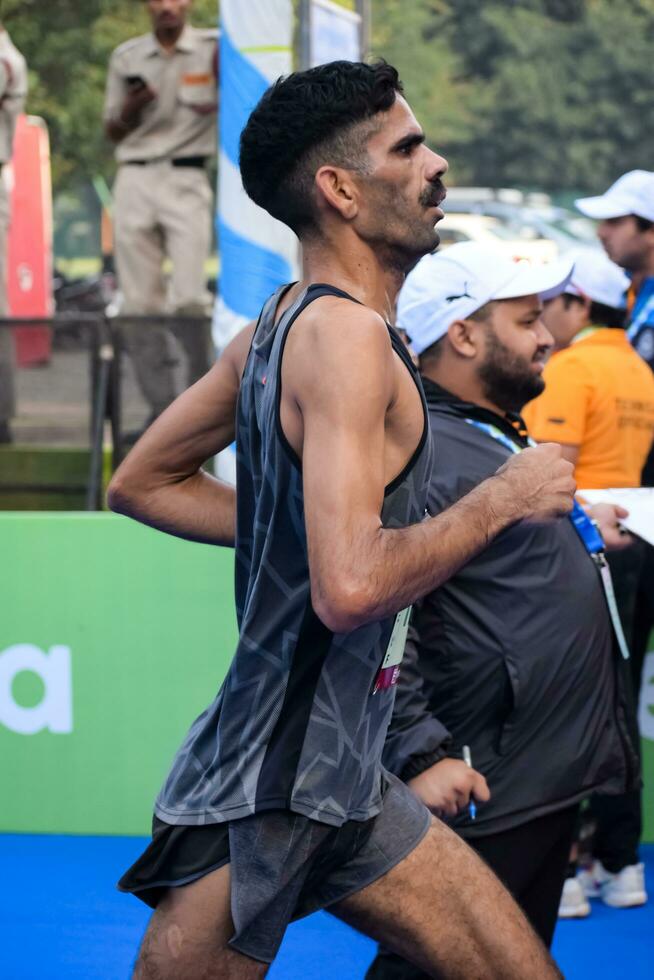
point(433, 195)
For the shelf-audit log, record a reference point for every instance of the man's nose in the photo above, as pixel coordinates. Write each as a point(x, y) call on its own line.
point(437, 165)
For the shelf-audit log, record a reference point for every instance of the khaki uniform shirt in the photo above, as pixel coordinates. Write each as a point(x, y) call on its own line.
point(13, 92)
point(181, 121)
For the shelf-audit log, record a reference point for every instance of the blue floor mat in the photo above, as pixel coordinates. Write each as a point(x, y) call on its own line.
point(62, 919)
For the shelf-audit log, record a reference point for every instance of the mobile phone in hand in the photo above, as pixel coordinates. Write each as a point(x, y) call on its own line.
point(135, 82)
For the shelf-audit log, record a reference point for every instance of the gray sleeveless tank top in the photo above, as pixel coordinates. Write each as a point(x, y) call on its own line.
point(295, 724)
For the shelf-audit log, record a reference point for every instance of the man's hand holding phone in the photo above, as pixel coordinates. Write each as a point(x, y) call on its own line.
point(139, 94)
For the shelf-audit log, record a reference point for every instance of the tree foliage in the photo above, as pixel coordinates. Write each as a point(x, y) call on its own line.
point(543, 93)
point(551, 94)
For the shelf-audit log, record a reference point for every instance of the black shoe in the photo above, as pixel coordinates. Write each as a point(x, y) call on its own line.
point(5, 434)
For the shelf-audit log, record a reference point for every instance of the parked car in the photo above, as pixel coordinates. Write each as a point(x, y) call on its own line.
point(460, 227)
point(528, 216)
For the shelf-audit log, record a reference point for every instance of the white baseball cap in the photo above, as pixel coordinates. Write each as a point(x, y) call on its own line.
point(597, 278)
point(453, 284)
point(633, 193)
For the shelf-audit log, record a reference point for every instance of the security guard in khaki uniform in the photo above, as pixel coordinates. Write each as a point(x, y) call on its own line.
point(13, 92)
point(160, 110)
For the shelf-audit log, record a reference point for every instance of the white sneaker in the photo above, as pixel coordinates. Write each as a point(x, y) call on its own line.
point(626, 889)
point(573, 904)
point(591, 879)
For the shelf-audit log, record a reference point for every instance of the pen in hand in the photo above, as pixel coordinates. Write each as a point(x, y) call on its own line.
point(467, 758)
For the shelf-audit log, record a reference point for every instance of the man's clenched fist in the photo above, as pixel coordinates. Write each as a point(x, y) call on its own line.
point(446, 787)
point(538, 484)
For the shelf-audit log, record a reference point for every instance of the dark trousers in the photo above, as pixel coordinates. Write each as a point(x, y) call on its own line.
point(618, 829)
point(618, 819)
point(531, 860)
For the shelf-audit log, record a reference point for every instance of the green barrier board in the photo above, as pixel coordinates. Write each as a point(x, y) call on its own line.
point(113, 638)
point(646, 724)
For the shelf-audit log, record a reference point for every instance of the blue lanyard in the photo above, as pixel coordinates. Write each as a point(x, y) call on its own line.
point(498, 435)
point(586, 529)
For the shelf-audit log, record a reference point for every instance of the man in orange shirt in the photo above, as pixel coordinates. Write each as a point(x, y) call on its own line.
point(598, 403)
point(599, 396)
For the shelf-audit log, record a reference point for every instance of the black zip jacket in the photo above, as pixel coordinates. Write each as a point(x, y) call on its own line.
point(514, 655)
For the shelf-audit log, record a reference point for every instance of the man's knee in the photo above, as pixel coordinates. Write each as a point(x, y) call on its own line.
point(172, 951)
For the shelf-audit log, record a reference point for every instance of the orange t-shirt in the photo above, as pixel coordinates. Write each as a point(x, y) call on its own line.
point(599, 396)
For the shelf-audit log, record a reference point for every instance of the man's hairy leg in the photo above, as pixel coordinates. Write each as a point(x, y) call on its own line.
point(188, 934)
point(444, 910)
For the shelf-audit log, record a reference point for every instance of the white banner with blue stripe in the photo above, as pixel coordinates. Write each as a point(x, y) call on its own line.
point(257, 253)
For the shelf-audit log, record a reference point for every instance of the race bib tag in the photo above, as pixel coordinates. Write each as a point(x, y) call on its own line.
point(390, 669)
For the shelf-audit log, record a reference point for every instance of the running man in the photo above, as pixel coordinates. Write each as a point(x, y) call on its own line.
point(277, 803)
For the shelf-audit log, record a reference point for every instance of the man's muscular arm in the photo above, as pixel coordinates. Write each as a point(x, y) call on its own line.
point(340, 377)
point(161, 482)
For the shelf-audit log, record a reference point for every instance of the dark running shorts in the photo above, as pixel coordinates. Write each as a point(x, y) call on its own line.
point(283, 865)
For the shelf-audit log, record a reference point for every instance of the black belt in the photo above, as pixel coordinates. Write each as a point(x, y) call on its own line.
point(177, 162)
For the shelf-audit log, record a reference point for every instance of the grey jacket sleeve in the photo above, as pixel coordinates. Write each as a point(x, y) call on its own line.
point(415, 739)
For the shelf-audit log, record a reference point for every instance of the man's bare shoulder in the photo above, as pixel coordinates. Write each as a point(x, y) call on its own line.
point(334, 320)
point(336, 342)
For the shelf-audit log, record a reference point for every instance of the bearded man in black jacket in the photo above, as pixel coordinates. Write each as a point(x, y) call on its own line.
point(515, 657)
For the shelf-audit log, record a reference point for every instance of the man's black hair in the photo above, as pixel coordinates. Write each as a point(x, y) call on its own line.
point(643, 224)
point(308, 119)
point(432, 353)
point(600, 314)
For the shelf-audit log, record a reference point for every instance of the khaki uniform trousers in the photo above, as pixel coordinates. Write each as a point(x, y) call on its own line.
point(161, 211)
point(7, 354)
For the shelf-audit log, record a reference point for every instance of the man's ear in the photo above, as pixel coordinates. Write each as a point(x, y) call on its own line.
point(463, 336)
point(335, 189)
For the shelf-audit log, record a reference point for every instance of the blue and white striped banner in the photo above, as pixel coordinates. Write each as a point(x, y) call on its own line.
point(257, 253)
